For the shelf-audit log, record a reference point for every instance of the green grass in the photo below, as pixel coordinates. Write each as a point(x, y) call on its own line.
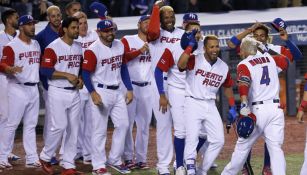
point(294, 164)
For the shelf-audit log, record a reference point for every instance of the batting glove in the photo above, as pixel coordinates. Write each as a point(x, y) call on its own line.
point(232, 114)
point(245, 110)
point(191, 38)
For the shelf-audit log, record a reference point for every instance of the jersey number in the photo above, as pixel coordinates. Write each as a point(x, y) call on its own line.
point(265, 79)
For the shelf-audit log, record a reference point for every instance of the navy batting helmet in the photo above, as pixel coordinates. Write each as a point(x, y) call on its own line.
point(245, 126)
point(184, 42)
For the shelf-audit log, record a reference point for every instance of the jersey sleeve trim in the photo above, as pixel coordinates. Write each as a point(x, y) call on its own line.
point(90, 61)
point(166, 61)
point(49, 58)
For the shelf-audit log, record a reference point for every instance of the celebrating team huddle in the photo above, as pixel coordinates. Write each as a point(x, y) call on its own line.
point(173, 73)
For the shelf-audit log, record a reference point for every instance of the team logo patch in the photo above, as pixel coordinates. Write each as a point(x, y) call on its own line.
point(47, 60)
point(85, 61)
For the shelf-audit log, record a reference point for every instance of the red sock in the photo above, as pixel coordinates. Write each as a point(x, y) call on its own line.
point(302, 105)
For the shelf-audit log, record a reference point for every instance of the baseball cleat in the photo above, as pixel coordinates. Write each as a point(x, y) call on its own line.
point(46, 166)
point(13, 157)
point(180, 171)
point(5, 165)
point(214, 166)
point(71, 171)
point(191, 169)
point(120, 168)
point(87, 162)
point(36, 164)
point(130, 164)
point(141, 166)
point(266, 170)
point(101, 171)
point(54, 161)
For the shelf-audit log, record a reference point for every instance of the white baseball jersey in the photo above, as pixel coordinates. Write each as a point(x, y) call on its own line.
point(19, 53)
point(262, 69)
point(204, 79)
point(87, 40)
point(64, 58)
point(139, 67)
point(104, 62)
point(166, 40)
point(168, 63)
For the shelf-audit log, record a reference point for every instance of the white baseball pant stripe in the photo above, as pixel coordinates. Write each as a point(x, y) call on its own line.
point(114, 105)
point(64, 114)
point(198, 114)
point(84, 136)
point(23, 105)
point(163, 133)
point(304, 167)
point(270, 123)
point(176, 99)
point(140, 111)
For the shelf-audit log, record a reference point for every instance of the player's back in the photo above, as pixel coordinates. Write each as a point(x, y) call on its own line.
point(264, 77)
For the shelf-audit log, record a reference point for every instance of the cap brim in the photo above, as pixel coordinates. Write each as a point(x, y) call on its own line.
point(276, 27)
point(33, 21)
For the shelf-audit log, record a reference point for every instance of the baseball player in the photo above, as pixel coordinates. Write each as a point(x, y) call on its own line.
point(61, 65)
point(176, 88)
point(86, 38)
point(140, 110)
point(72, 7)
point(258, 86)
point(101, 69)
point(206, 73)
point(159, 39)
point(44, 38)
point(261, 33)
point(20, 61)
point(10, 21)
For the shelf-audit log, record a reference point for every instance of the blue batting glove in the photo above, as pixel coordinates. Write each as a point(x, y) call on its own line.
point(232, 114)
point(192, 40)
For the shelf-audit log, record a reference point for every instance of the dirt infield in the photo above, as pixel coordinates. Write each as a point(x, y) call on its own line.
point(294, 144)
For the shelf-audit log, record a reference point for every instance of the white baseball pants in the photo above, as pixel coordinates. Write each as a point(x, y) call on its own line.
point(140, 111)
point(163, 132)
point(114, 105)
point(23, 104)
point(198, 114)
point(64, 114)
point(270, 123)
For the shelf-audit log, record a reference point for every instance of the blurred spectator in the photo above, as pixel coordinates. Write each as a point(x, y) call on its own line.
point(180, 6)
point(289, 3)
point(120, 8)
point(23, 7)
point(40, 9)
point(142, 7)
point(72, 7)
point(251, 4)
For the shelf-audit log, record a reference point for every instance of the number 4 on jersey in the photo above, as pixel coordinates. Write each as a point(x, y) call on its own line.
point(265, 79)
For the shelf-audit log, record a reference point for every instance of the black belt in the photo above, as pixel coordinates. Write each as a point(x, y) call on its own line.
point(140, 84)
point(108, 87)
point(261, 102)
point(69, 88)
point(29, 84)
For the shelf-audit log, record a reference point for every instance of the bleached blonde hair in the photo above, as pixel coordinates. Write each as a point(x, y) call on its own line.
point(249, 45)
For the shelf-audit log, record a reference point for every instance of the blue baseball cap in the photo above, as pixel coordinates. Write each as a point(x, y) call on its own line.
point(143, 18)
point(100, 9)
point(26, 19)
point(105, 24)
point(190, 17)
point(279, 23)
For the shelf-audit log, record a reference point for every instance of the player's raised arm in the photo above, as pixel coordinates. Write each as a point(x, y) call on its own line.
point(236, 40)
point(154, 25)
point(186, 55)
